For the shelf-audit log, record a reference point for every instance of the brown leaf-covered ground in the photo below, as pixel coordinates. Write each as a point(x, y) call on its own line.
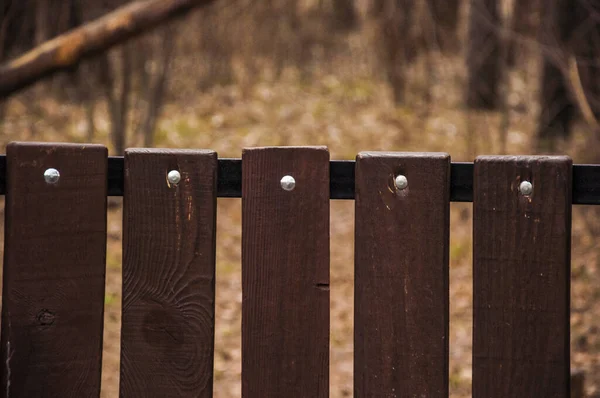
point(348, 115)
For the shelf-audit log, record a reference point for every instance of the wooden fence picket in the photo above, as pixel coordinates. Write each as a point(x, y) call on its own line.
point(401, 275)
point(54, 267)
point(285, 272)
point(168, 320)
point(521, 274)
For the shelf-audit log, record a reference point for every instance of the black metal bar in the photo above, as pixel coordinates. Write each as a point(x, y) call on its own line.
point(586, 180)
point(586, 184)
point(461, 182)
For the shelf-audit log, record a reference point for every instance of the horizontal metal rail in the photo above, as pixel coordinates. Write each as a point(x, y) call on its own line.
point(586, 180)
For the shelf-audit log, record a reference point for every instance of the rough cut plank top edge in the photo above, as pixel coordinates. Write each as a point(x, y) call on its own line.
point(522, 158)
point(53, 144)
point(385, 154)
point(168, 151)
point(284, 148)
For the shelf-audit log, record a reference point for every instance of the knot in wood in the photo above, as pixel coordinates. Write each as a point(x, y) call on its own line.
point(45, 318)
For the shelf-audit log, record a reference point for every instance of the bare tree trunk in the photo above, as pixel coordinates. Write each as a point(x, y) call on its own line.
point(85, 84)
point(90, 107)
point(394, 35)
point(557, 109)
point(216, 50)
point(376, 8)
point(557, 106)
point(287, 48)
point(444, 14)
point(158, 88)
point(345, 17)
point(585, 40)
point(17, 26)
point(118, 100)
point(42, 15)
point(6, 14)
point(120, 127)
point(483, 56)
point(503, 105)
point(42, 33)
point(524, 26)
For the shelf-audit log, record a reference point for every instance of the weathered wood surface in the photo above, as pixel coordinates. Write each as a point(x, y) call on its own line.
point(577, 383)
point(401, 275)
point(54, 267)
point(285, 273)
point(68, 49)
point(168, 274)
point(521, 273)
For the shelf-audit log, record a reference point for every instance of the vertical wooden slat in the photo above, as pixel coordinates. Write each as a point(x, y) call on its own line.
point(54, 266)
point(285, 273)
point(401, 275)
point(167, 341)
point(521, 275)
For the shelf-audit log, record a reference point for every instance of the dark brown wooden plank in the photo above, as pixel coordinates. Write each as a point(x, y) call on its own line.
point(285, 273)
point(401, 275)
point(521, 276)
point(167, 338)
point(54, 265)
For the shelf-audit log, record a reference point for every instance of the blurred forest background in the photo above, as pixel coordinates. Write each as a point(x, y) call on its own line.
point(468, 77)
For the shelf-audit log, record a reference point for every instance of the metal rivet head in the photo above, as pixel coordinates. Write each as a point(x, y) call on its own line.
point(526, 188)
point(288, 183)
point(401, 182)
point(51, 176)
point(174, 177)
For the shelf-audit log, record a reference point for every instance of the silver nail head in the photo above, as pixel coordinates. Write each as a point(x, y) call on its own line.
point(526, 188)
point(51, 176)
point(401, 182)
point(288, 183)
point(174, 177)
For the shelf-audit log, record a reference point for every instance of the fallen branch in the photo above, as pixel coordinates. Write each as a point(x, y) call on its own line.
point(68, 49)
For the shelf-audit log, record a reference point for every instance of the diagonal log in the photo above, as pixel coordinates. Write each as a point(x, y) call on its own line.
point(68, 49)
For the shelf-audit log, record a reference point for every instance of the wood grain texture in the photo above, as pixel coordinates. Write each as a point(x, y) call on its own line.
point(401, 275)
point(285, 273)
point(167, 339)
point(521, 276)
point(54, 267)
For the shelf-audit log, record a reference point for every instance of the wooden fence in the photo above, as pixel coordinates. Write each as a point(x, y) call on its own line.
point(54, 269)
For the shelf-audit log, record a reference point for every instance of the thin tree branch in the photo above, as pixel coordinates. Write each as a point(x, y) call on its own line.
point(67, 50)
